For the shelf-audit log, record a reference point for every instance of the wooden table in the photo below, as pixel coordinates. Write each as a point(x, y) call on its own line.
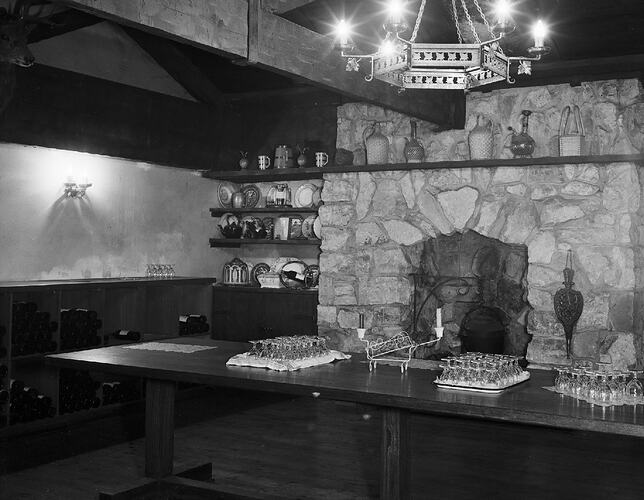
point(395, 393)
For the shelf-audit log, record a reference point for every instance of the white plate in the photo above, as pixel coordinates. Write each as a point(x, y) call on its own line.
point(317, 228)
point(225, 194)
point(304, 196)
point(307, 227)
point(228, 218)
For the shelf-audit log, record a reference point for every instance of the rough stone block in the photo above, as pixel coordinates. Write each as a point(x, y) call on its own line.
point(622, 351)
point(543, 276)
point(541, 192)
point(327, 315)
point(390, 261)
point(556, 211)
point(388, 200)
point(338, 190)
point(336, 215)
point(620, 314)
point(370, 233)
point(547, 351)
point(408, 192)
point(433, 211)
point(402, 232)
point(348, 318)
point(506, 175)
point(517, 189)
point(622, 191)
point(385, 290)
point(586, 345)
point(334, 238)
point(541, 247)
point(520, 223)
point(595, 313)
point(544, 324)
point(344, 293)
point(490, 211)
point(365, 194)
point(458, 206)
point(540, 300)
point(578, 188)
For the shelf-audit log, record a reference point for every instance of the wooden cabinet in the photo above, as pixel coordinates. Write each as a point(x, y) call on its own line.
point(246, 313)
point(149, 306)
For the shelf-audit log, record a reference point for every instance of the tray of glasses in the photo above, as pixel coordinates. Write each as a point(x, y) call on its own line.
point(487, 389)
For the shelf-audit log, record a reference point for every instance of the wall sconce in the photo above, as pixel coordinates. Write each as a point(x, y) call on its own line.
point(73, 190)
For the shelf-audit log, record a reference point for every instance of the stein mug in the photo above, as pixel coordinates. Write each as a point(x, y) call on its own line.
point(263, 161)
point(321, 159)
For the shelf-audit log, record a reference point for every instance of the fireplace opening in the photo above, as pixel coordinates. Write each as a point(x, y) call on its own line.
point(480, 285)
point(483, 330)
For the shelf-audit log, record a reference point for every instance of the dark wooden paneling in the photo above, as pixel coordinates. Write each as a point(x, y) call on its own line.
point(61, 109)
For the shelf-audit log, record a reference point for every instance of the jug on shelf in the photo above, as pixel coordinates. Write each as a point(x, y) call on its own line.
point(283, 157)
point(376, 144)
point(521, 144)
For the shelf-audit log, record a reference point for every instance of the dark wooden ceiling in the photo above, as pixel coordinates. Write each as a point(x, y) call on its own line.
point(590, 39)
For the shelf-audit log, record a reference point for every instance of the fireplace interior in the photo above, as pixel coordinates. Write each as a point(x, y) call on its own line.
point(480, 285)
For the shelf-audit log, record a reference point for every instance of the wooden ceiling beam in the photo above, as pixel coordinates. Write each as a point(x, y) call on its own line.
point(275, 44)
point(283, 6)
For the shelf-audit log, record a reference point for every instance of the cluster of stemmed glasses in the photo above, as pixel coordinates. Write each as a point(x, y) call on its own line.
point(488, 371)
point(161, 271)
point(298, 347)
point(600, 385)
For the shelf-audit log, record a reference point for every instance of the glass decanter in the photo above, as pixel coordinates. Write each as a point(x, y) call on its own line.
point(521, 144)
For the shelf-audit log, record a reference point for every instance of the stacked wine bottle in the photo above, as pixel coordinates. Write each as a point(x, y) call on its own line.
point(79, 329)
point(32, 330)
point(190, 324)
point(121, 391)
point(77, 391)
point(27, 403)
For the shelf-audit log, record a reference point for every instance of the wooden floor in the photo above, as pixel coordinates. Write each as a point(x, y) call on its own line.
point(312, 449)
point(304, 449)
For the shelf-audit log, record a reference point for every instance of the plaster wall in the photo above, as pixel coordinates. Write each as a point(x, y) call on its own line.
point(133, 214)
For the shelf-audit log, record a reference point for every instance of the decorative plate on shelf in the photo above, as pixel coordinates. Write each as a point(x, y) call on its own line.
point(304, 196)
point(307, 227)
point(281, 262)
point(257, 270)
point(251, 195)
point(317, 228)
point(225, 194)
point(292, 274)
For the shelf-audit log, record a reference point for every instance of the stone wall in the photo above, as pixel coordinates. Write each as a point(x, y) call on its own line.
point(372, 222)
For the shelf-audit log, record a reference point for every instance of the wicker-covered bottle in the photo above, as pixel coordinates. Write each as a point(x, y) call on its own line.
point(376, 144)
point(481, 140)
point(414, 150)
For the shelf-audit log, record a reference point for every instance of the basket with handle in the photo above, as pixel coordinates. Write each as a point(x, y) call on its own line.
point(571, 132)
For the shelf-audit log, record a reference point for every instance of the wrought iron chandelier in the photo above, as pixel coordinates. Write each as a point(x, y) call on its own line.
point(407, 64)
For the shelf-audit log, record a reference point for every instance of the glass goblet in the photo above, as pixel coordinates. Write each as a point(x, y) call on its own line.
point(634, 390)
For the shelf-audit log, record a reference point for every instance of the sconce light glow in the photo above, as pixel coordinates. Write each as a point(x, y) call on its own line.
point(539, 31)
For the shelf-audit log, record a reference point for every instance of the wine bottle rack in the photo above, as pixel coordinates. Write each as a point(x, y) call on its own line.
point(37, 318)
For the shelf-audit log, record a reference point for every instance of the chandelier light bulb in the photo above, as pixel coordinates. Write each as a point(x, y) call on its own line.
point(343, 33)
point(503, 11)
point(396, 8)
point(387, 47)
point(539, 31)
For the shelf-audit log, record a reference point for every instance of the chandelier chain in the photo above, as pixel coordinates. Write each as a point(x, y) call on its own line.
point(487, 25)
point(455, 17)
point(421, 9)
point(470, 22)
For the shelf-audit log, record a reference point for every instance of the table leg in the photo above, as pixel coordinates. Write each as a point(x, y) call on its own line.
point(394, 480)
point(159, 427)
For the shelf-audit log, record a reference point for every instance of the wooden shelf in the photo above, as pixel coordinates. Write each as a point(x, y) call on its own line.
point(256, 289)
point(44, 285)
point(291, 174)
point(218, 212)
point(236, 242)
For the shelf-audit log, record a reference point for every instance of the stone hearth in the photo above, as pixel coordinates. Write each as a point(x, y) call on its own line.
point(374, 224)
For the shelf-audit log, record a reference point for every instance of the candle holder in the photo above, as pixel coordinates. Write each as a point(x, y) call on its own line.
point(395, 350)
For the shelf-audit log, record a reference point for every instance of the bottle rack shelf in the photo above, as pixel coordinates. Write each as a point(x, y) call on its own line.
point(218, 212)
point(142, 304)
point(236, 242)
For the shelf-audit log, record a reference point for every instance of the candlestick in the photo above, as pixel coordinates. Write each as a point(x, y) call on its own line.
point(361, 332)
point(439, 332)
point(439, 318)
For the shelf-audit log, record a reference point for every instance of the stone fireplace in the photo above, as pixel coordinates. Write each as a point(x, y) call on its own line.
point(379, 228)
point(479, 283)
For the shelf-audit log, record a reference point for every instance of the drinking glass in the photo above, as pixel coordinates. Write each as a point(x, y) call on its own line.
point(634, 390)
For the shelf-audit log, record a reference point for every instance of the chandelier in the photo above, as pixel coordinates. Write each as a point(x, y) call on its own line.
point(410, 65)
